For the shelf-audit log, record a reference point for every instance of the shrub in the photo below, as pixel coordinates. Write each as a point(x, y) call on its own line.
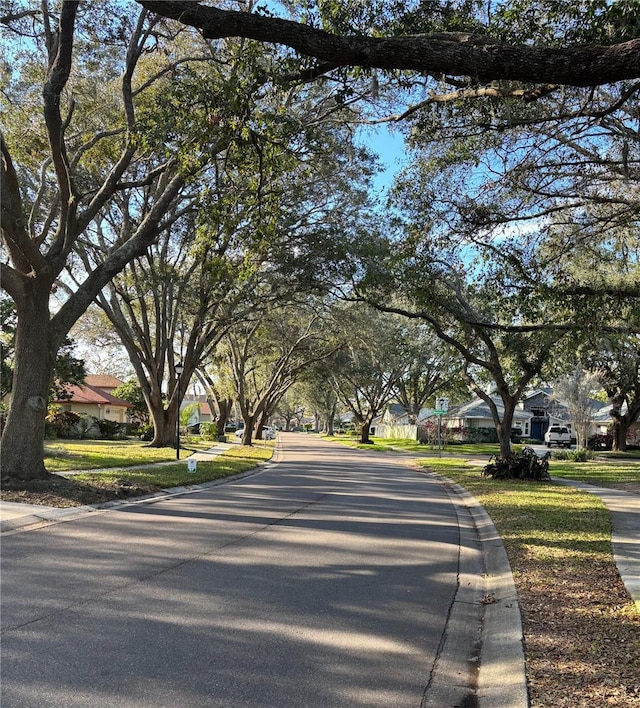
point(86, 428)
point(519, 465)
point(602, 441)
point(209, 430)
point(111, 429)
point(481, 435)
point(61, 423)
point(581, 455)
point(146, 432)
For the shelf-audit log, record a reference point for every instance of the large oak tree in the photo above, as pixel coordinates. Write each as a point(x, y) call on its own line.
point(475, 54)
point(100, 130)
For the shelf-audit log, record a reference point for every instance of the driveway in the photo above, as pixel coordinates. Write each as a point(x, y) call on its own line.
point(329, 579)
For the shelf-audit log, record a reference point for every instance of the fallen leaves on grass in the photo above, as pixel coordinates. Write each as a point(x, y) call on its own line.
point(64, 492)
point(582, 636)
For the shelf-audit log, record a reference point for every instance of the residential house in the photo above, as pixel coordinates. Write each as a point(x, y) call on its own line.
point(104, 382)
point(544, 413)
point(394, 423)
point(96, 401)
point(602, 421)
point(547, 411)
point(203, 413)
point(476, 414)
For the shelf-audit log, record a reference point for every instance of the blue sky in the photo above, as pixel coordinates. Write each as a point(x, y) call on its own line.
point(390, 147)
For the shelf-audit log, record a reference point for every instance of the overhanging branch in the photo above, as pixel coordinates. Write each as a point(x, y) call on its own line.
point(457, 54)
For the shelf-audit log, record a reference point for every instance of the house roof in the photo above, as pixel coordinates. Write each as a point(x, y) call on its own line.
point(537, 392)
point(102, 381)
point(397, 412)
point(603, 414)
point(480, 409)
point(92, 395)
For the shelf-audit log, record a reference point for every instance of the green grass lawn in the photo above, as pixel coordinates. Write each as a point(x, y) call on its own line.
point(582, 632)
point(234, 461)
point(420, 449)
point(598, 472)
point(65, 455)
point(117, 457)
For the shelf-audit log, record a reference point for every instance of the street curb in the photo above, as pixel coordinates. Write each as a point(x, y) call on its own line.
point(502, 680)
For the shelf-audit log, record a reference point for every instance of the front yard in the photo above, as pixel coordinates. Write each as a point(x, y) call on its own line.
point(120, 475)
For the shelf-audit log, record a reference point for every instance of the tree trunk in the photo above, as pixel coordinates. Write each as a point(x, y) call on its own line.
point(247, 432)
point(164, 426)
point(223, 407)
point(23, 436)
point(330, 430)
point(364, 432)
point(619, 425)
point(620, 428)
point(503, 428)
point(246, 435)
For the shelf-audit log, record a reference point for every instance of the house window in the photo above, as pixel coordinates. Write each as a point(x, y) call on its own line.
point(107, 410)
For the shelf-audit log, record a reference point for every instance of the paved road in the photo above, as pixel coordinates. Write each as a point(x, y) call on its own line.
point(329, 579)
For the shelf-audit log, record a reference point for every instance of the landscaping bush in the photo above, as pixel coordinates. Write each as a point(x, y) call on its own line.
point(61, 423)
point(481, 435)
point(146, 432)
point(209, 430)
point(581, 455)
point(602, 441)
point(111, 429)
point(519, 465)
point(86, 428)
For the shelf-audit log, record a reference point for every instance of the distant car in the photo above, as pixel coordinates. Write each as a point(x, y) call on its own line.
point(557, 435)
point(268, 433)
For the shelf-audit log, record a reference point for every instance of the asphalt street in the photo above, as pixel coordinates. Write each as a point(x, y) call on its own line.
point(327, 579)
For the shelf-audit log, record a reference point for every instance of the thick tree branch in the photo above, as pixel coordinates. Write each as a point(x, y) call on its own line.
point(24, 256)
point(456, 53)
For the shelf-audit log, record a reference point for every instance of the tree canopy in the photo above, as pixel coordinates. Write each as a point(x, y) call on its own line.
point(472, 52)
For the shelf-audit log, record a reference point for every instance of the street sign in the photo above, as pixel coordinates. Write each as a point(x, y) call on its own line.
point(442, 404)
point(439, 412)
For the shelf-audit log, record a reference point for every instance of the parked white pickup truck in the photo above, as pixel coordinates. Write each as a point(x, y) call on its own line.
point(557, 435)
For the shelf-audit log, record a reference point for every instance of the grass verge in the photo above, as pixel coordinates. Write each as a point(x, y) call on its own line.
point(120, 482)
point(234, 461)
point(582, 632)
point(65, 455)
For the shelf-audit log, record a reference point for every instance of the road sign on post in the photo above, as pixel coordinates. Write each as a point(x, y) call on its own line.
point(442, 406)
